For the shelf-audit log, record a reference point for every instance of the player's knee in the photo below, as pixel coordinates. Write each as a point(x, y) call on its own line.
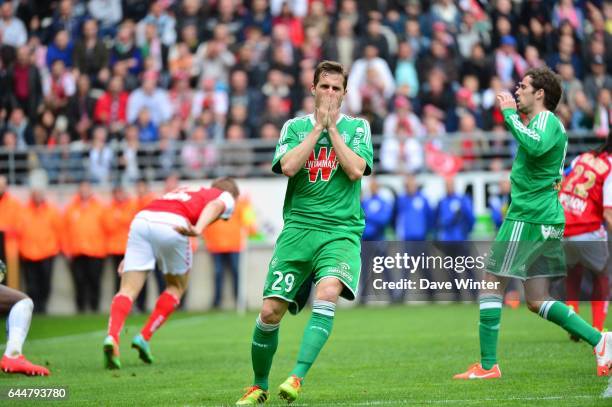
point(329, 289)
point(270, 314)
point(533, 305)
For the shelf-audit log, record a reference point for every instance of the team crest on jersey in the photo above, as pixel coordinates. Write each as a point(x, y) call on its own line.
point(324, 163)
point(345, 137)
point(302, 135)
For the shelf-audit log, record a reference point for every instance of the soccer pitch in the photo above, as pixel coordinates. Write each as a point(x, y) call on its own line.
point(380, 356)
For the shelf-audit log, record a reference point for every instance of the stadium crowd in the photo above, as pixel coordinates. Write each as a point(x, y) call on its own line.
point(106, 84)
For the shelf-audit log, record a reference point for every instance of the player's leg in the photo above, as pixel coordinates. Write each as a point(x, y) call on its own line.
point(599, 299)
point(573, 280)
point(263, 348)
point(490, 305)
point(317, 331)
point(130, 286)
point(288, 277)
point(19, 307)
point(538, 301)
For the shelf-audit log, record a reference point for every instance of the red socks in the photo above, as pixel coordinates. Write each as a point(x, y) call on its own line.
point(166, 304)
point(572, 287)
point(599, 304)
point(120, 309)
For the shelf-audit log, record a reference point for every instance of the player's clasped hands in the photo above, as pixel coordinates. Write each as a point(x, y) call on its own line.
point(506, 100)
point(328, 111)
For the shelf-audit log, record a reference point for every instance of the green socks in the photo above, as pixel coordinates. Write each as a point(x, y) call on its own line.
point(488, 329)
point(317, 331)
point(562, 315)
point(265, 342)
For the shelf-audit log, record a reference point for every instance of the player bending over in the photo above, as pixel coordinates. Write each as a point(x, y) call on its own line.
point(586, 196)
point(19, 308)
point(528, 245)
point(159, 234)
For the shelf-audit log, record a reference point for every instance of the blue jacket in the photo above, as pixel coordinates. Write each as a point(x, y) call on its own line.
point(414, 217)
point(378, 214)
point(454, 218)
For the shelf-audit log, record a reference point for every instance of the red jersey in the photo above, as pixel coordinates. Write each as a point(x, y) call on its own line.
point(189, 202)
point(585, 192)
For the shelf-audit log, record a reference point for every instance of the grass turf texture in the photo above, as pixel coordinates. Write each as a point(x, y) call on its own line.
point(375, 356)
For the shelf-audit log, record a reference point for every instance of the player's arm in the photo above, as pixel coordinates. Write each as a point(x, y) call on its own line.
point(354, 165)
point(293, 160)
point(532, 140)
point(220, 207)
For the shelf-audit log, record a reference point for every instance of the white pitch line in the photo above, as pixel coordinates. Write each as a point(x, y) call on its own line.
point(101, 333)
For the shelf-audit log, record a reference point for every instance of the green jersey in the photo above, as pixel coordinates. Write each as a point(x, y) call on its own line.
point(537, 168)
point(321, 196)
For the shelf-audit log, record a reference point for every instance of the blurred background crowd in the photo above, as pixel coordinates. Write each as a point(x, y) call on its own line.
point(89, 89)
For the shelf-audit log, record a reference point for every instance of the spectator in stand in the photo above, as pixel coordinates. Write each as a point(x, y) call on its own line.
point(292, 23)
point(464, 105)
point(582, 113)
point(598, 79)
point(191, 13)
point(125, 53)
point(259, 15)
point(478, 64)
point(405, 70)
point(214, 60)
point(39, 230)
point(235, 154)
point(226, 14)
point(20, 124)
point(401, 149)
point(147, 129)
point(164, 23)
point(243, 95)
point(569, 84)
point(26, 83)
point(80, 110)
point(211, 98)
point(58, 87)
point(91, 57)
point(9, 152)
point(602, 120)
point(566, 53)
point(510, 66)
point(64, 164)
point(100, 157)
point(13, 31)
point(111, 107)
point(108, 13)
point(128, 164)
point(181, 96)
point(342, 45)
point(374, 36)
point(414, 216)
point(437, 91)
point(198, 155)
point(65, 18)
point(60, 49)
point(440, 57)
point(85, 246)
point(359, 74)
point(151, 97)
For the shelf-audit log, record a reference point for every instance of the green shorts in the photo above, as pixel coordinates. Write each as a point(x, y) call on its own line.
point(304, 255)
point(527, 250)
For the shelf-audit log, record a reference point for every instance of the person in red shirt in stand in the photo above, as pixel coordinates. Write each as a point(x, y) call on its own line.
point(159, 234)
point(586, 196)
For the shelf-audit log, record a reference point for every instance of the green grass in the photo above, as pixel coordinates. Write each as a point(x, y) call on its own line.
point(375, 356)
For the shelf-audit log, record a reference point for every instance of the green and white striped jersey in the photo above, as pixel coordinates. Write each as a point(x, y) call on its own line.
point(537, 168)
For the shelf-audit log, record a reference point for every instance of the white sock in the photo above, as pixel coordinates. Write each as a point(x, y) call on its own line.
point(18, 325)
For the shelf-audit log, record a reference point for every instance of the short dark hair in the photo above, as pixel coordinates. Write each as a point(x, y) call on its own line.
point(227, 184)
point(331, 67)
point(544, 78)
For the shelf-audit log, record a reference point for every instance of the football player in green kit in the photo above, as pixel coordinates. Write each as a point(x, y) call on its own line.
point(324, 155)
point(528, 246)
